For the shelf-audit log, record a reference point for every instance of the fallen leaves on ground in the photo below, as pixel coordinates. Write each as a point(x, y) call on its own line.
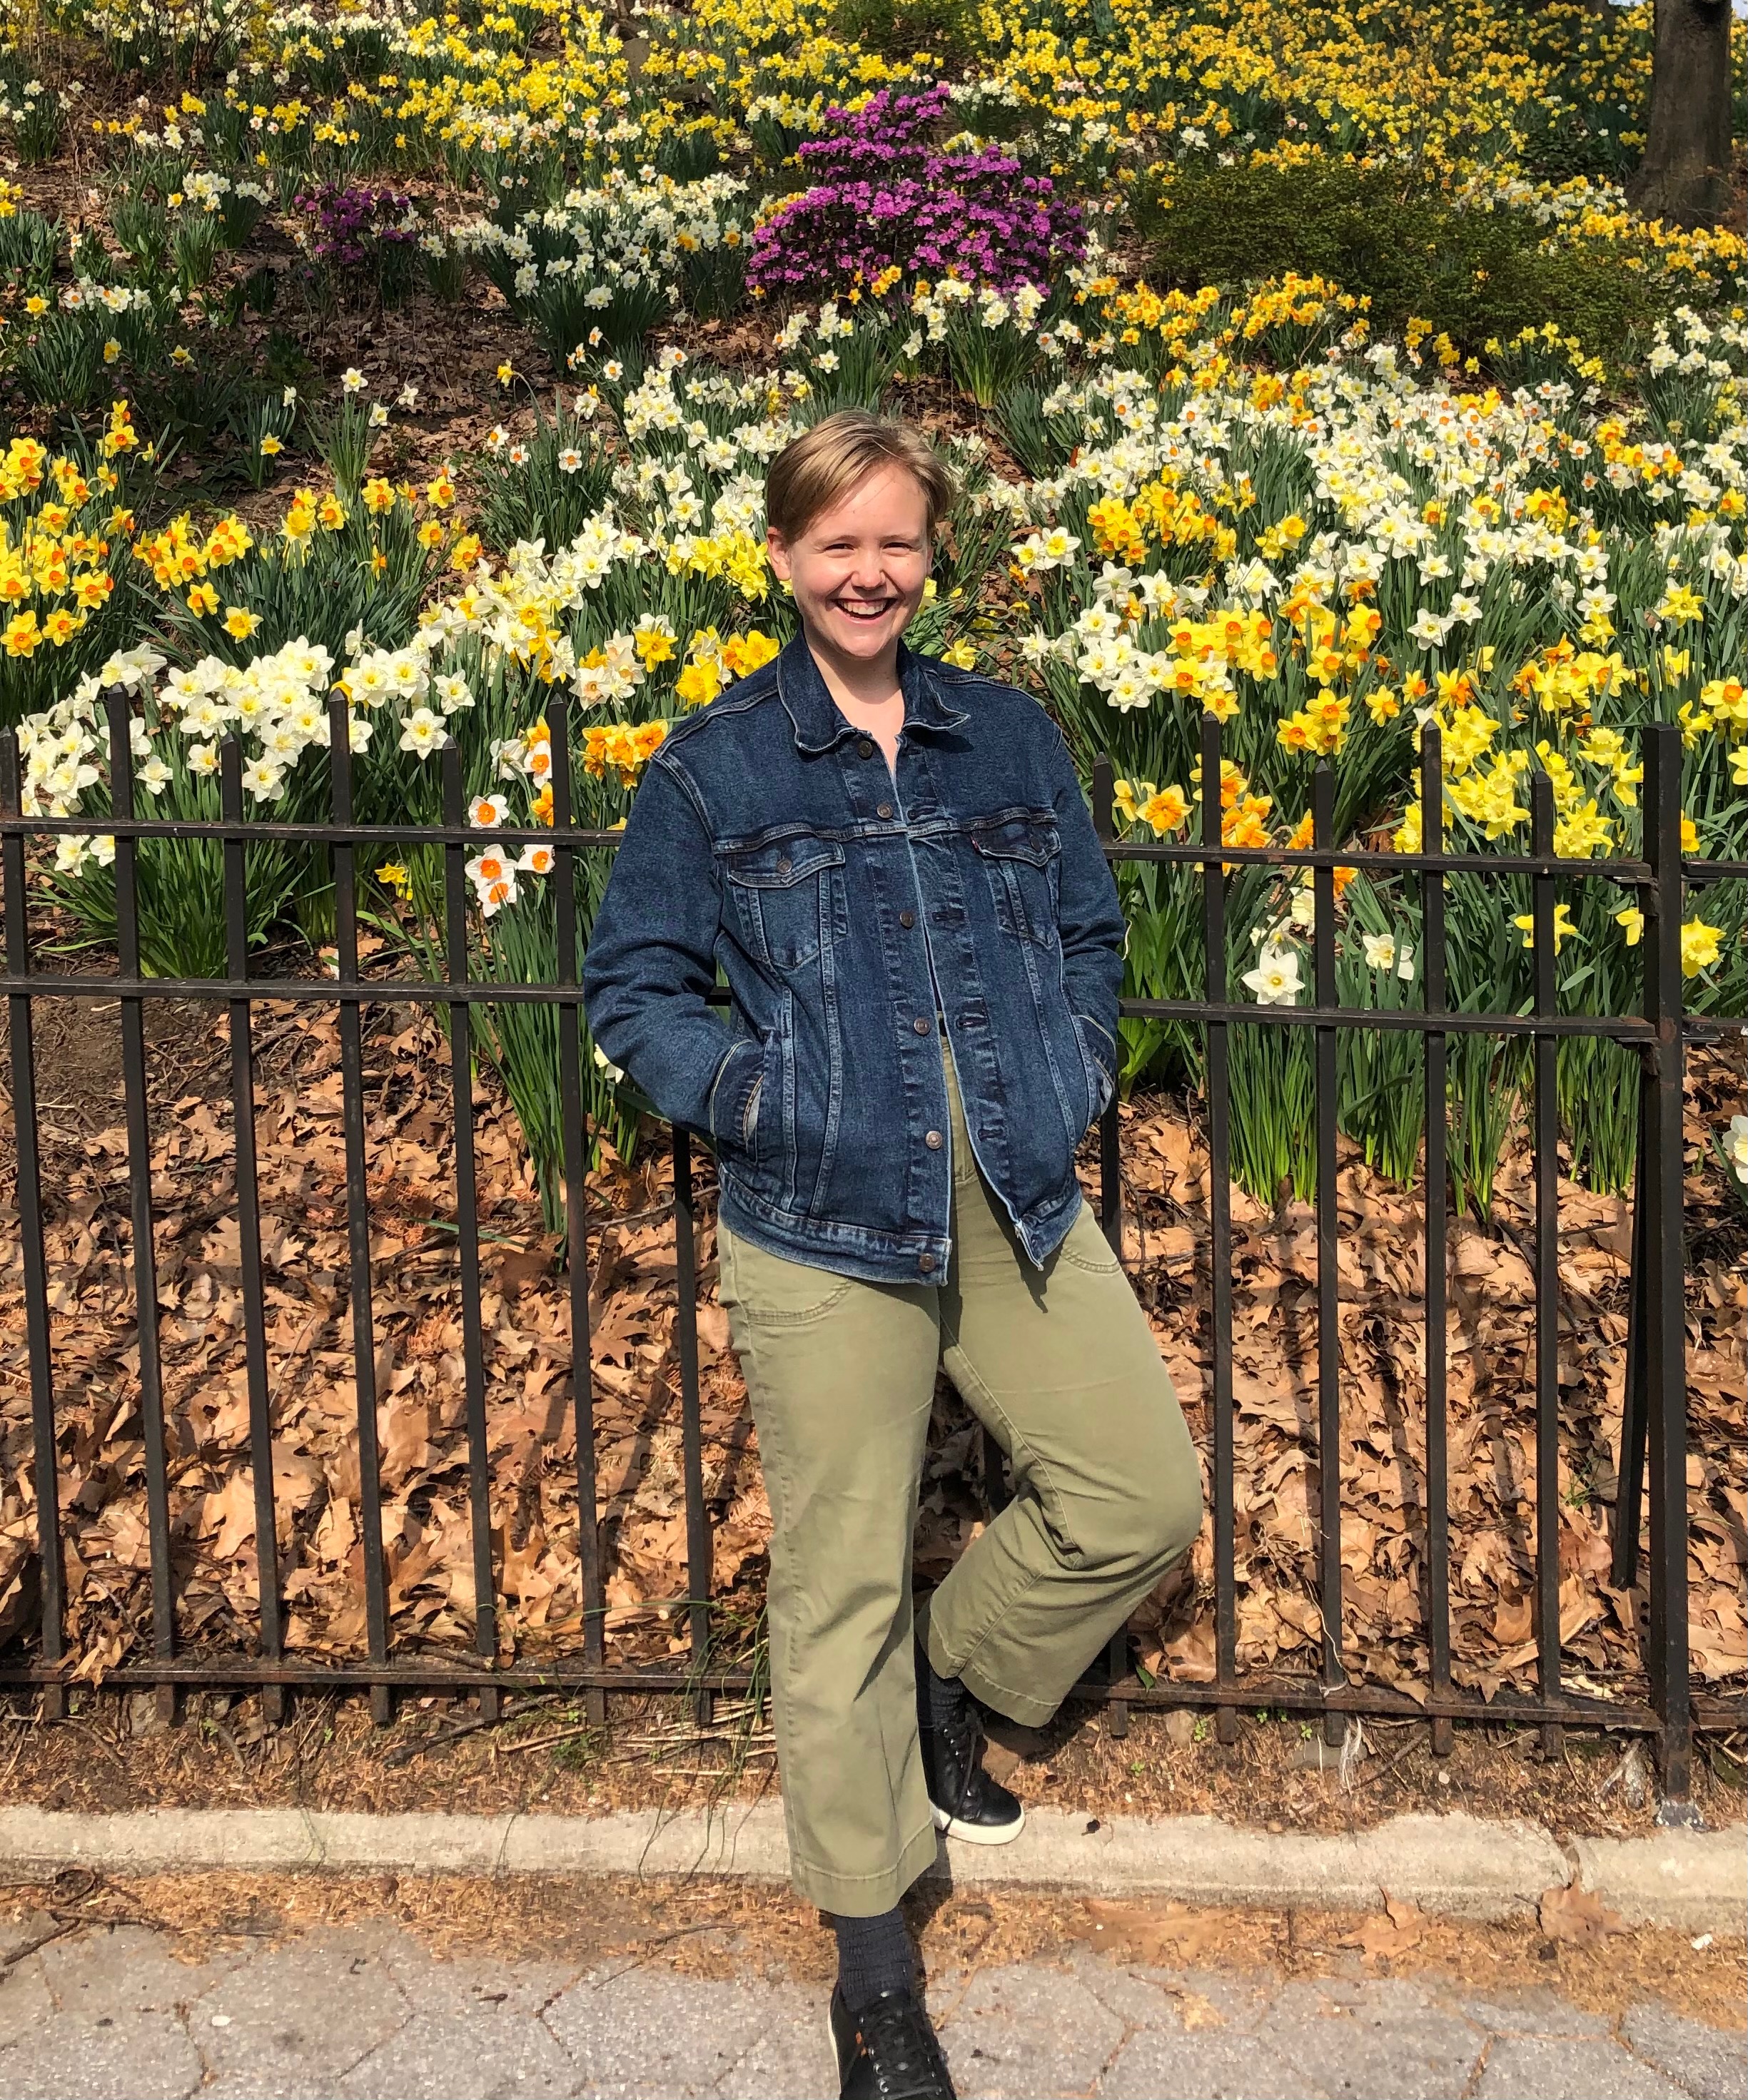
point(531, 1408)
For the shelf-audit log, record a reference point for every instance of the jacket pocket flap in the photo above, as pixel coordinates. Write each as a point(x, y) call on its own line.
point(784, 863)
point(1032, 839)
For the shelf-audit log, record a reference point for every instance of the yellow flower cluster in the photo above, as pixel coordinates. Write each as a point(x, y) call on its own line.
point(1564, 680)
point(307, 510)
point(178, 555)
point(712, 662)
point(1161, 513)
point(736, 557)
point(1162, 809)
point(56, 529)
point(623, 748)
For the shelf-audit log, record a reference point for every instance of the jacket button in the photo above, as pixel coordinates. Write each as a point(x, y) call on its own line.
point(933, 1140)
point(906, 919)
point(884, 810)
point(926, 1263)
point(864, 748)
point(920, 1025)
point(784, 865)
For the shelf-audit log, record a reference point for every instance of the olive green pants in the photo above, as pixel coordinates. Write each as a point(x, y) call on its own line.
point(1060, 1366)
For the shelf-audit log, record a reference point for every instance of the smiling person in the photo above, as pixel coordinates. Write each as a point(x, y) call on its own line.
point(890, 862)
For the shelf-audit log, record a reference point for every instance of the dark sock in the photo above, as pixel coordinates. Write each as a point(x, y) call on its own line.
point(873, 1955)
point(943, 1699)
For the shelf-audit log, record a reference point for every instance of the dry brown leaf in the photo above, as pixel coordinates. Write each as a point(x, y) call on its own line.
point(1574, 1915)
point(1382, 1939)
point(1161, 1935)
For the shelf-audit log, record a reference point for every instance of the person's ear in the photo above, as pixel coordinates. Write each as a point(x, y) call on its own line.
point(778, 553)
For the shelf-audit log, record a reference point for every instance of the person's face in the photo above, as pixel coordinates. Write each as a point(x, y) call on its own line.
point(859, 570)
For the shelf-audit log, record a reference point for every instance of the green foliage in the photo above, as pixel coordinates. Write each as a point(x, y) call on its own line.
point(1043, 443)
point(28, 245)
point(1477, 275)
point(898, 28)
point(544, 487)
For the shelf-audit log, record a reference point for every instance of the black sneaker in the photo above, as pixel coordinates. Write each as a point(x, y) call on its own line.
point(888, 2051)
point(967, 1803)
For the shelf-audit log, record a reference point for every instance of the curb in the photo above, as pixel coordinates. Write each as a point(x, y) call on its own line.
point(1455, 1866)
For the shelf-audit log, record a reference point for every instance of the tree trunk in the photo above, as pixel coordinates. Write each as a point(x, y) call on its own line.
point(1685, 174)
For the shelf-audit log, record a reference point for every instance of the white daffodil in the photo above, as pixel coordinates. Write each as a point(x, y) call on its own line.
point(1275, 979)
point(423, 732)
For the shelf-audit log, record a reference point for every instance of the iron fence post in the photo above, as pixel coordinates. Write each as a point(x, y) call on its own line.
point(51, 1577)
point(572, 1121)
point(1665, 1307)
point(1326, 1209)
point(1110, 1206)
point(1219, 1093)
point(467, 1233)
point(1434, 995)
point(1545, 939)
point(359, 1278)
point(1629, 1467)
point(135, 1088)
point(257, 1371)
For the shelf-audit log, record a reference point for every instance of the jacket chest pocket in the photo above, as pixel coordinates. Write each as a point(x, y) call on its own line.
point(1021, 856)
point(788, 898)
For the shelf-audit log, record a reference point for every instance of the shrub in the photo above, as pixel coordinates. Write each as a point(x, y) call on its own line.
point(898, 28)
point(883, 198)
point(1476, 275)
point(361, 242)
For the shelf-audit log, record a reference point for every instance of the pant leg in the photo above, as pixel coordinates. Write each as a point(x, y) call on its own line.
point(1061, 1365)
point(841, 1377)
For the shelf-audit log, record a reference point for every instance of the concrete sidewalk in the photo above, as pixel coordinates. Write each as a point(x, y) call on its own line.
point(364, 2013)
point(1454, 1865)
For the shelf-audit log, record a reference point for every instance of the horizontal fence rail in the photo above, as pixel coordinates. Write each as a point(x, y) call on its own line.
point(1652, 1446)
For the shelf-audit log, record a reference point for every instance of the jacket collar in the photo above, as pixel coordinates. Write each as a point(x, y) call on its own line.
point(814, 712)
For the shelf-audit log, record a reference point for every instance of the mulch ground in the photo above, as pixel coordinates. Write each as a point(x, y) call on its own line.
point(114, 1753)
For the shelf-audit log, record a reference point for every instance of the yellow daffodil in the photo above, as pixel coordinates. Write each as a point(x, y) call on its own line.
point(1564, 928)
point(1700, 946)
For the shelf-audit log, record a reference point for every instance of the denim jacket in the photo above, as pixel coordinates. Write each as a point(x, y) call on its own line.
point(854, 911)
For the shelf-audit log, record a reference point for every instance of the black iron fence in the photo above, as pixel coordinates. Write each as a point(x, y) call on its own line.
point(1653, 1444)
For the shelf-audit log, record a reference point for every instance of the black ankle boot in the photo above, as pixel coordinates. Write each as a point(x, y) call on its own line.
point(888, 2050)
point(967, 1803)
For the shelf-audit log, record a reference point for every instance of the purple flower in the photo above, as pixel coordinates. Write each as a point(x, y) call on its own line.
point(352, 222)
point(881, 195)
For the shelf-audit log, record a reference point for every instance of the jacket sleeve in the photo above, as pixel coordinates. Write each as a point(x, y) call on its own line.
point(652, 957)
point(1090, 921)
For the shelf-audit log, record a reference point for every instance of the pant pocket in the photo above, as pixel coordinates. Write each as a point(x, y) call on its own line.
point(1086, 1246)
point(768, 1290)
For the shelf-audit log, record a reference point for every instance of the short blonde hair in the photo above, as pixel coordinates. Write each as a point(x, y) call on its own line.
point(813, 470)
